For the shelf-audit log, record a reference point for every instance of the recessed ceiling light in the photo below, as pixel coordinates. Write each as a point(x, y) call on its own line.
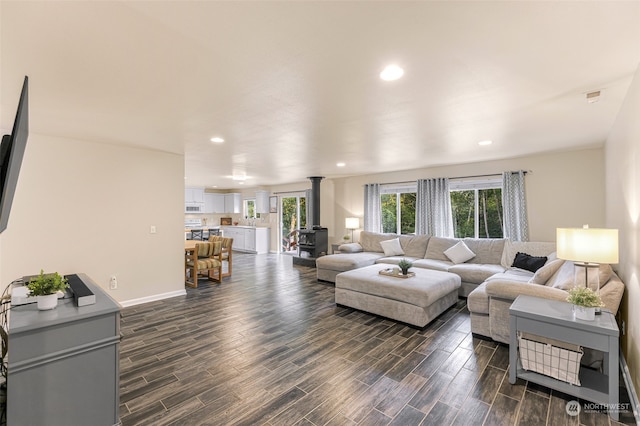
point(341, 164)
point(238, 177)
point(485, 143)
point(391, 72)
point(240, 183)
point(217, 139)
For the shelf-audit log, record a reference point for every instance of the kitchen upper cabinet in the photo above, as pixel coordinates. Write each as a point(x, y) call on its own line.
point(214, 203)
point(194, 195)
point(233, 203)
point(194, 200)
point(262, 202)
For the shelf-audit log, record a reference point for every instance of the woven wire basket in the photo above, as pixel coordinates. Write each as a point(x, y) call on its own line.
point(550, 357)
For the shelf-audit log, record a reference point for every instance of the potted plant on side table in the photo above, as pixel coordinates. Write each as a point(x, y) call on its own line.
point(585, 301)
point(46, 287)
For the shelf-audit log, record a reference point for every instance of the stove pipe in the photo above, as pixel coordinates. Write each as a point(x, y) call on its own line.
point(315, 201)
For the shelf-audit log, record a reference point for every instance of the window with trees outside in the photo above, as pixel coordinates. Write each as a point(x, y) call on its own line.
point(398, 209)
point(476, 207)
point(250, 208)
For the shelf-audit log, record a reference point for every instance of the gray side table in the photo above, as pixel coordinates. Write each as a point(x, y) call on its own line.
point(64, 363)
point(554, 319)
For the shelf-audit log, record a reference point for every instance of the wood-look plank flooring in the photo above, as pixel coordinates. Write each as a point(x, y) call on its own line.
point(269, 346)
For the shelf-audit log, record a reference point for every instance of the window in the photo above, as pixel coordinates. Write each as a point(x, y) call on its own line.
point(476, 207)
point(250, 208)
point(398, 209)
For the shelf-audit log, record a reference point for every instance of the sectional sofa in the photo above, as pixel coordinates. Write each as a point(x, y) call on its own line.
point(493, 274)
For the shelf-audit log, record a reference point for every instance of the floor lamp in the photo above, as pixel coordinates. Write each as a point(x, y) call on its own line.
point(352, 223)
point(588, 248)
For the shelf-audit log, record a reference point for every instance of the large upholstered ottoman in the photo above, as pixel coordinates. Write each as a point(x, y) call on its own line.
point(416, 300)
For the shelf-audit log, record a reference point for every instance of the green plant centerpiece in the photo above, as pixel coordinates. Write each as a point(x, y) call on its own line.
point(346, 238)
point(585, 302)
point(584, 296)
point(404, 266)
point(45, 287)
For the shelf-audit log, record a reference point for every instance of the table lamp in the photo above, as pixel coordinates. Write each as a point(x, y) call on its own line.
point(352, 223)
point(587, 247)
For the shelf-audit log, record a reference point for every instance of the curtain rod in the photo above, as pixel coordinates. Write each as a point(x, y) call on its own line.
point(289, 192)
point(456, 177)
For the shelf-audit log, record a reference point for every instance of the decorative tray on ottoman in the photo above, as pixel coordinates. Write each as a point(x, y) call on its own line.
point(389, 272)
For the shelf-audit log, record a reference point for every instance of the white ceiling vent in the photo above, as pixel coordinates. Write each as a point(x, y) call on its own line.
point(593, 97)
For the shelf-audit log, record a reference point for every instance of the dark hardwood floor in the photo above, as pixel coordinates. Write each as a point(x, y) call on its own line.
point(269, 346)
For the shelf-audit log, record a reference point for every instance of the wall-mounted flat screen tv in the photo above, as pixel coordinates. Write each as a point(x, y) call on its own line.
point(11, 153)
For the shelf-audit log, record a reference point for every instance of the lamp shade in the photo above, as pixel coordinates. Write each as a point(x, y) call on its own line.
point(352, 223)
point(589, 245)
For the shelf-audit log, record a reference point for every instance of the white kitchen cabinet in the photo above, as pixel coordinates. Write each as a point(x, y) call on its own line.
point(262, 202)
point(194, 200)
point(248, 238)
point(194, 195)
point(233, 203)
point(213, 203)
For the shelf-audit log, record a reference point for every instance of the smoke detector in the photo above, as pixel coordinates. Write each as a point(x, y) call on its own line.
point(593, 97)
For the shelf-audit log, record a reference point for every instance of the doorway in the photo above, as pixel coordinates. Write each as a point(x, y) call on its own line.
point(293, 216)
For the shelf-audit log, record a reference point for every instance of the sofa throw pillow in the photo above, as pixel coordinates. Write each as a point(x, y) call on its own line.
point(459, 253)
point(392, 247)
point(564, 277)
point(543, 274)
point(350, 248)
point(527, 262)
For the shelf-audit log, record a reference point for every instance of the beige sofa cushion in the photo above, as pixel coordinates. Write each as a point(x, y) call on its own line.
point(346, 262)
point(370, 241)
point(437, 265)
point(437, 246)
point(414, 245)
point(475, 274)
point(487, 250)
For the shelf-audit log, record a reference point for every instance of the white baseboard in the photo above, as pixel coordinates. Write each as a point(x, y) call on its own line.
point(152, 298)
point(633, 396)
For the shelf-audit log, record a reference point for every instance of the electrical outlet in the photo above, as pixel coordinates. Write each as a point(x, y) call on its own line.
point(152, 229)
point(113, 283)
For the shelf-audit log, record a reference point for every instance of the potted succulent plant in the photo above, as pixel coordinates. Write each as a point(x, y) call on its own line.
point(404, 266)
point(585, 301)
point(45, 287)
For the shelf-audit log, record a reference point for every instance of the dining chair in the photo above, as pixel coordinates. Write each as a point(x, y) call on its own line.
point(205, 257)
point(227, 253)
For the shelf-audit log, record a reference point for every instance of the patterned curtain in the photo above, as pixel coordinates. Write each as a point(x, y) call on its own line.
point(516, 224)
point(372, 214)
point(433, 210)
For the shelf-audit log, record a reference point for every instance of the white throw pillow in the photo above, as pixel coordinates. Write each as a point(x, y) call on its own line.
point(459, 253)
point(392, 247)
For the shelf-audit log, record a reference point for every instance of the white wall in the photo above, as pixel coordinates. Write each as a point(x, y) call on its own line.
point(623, 212)
point(564, 189)
point(88, 207)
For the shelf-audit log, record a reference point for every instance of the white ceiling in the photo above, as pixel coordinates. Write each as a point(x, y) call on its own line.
point(293, 87)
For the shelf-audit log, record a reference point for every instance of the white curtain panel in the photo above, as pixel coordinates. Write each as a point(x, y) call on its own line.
point(372, 213)
point(433, 210)
point(514, 205)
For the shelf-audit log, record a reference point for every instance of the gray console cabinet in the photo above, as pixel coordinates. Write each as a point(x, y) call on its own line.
point(63, 363)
